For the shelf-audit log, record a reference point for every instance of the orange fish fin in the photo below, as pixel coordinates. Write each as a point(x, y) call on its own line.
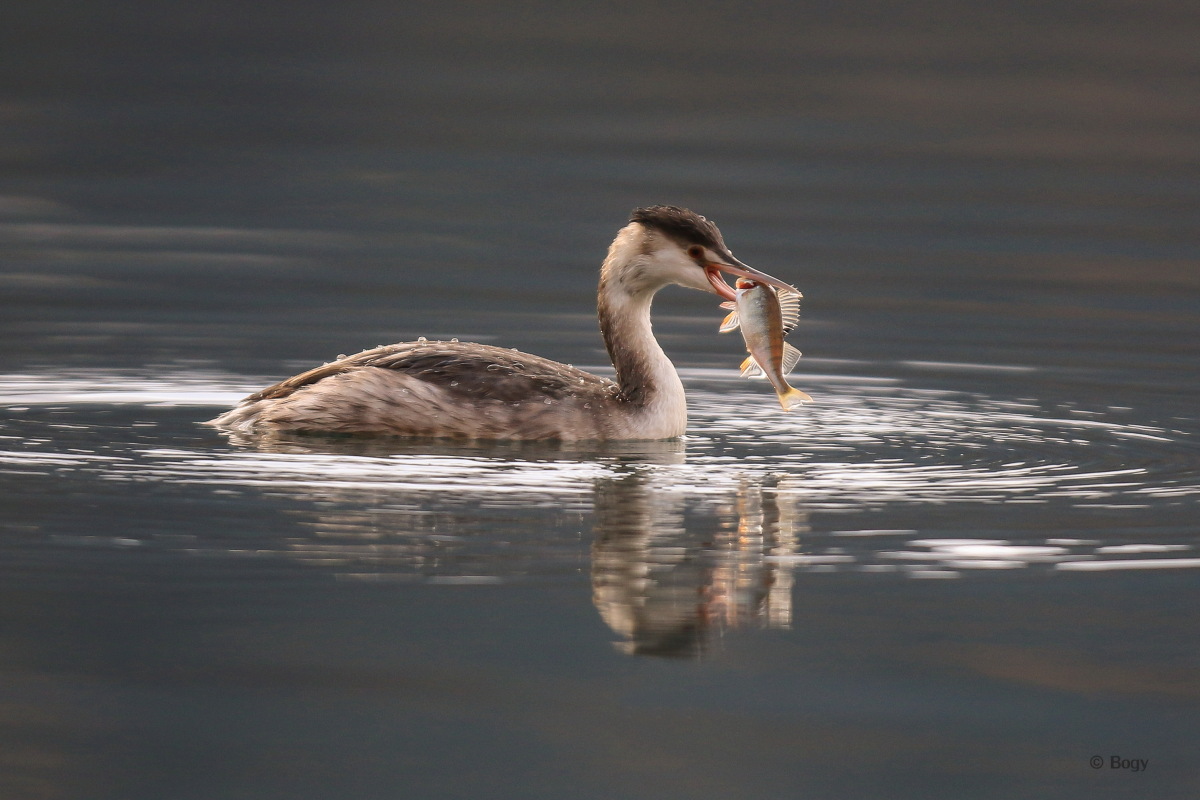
point(791, 397)
point(751, 369)
point(730, 323)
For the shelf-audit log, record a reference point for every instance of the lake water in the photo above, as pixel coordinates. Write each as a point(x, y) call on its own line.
point(966, 570)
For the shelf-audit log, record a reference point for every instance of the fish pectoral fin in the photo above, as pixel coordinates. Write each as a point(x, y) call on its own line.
point(751, 369)
point(730, 323)
point(789, 310)
point(790, 357)
point(728, 305)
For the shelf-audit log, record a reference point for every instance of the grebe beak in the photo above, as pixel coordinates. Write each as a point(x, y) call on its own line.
point(713, 270)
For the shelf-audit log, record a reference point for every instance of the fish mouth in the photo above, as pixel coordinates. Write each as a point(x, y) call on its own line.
point(713, 271)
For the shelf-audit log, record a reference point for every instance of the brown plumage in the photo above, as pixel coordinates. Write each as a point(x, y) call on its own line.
point(474, 371)
point(475, 391)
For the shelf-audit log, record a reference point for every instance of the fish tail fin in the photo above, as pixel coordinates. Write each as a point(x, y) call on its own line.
point(791, 397)
point(730, 323)
point(751, 369)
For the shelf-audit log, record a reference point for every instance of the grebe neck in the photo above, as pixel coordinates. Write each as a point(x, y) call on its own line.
point(645, 375)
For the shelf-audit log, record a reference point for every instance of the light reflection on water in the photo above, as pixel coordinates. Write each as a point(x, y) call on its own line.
point(687, 538)
point(864, 443)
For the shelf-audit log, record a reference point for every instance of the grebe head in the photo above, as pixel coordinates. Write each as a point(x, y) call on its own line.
point(668, 244)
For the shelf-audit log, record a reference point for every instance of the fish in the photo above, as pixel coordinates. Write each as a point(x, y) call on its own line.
point(765, 317)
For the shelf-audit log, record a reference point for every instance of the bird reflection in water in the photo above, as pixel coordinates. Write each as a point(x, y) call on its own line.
point(669, 570)
point(666, 591)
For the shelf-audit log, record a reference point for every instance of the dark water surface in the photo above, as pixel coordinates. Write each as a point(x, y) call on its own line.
point(968, 568)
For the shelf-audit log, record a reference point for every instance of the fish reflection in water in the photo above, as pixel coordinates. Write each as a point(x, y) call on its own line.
point(665, 590)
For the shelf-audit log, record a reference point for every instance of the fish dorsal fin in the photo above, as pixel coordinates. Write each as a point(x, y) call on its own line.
point(730, 323)
point(790, 356)
point(751, 369)
point(789, 310)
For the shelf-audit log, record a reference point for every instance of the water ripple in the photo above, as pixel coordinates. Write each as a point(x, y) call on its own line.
point(747, 475)
point(866, 442)
point(898, 444)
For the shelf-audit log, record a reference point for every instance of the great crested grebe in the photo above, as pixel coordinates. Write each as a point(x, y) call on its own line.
point(476, 391)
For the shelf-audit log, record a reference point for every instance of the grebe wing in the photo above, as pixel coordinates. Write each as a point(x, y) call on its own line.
point(478, 371)
point(287, 387)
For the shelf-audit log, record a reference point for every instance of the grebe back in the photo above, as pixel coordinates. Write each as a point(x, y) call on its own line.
point(476, 391)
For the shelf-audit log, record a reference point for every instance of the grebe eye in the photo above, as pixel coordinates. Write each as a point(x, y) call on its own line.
point(696, 252)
